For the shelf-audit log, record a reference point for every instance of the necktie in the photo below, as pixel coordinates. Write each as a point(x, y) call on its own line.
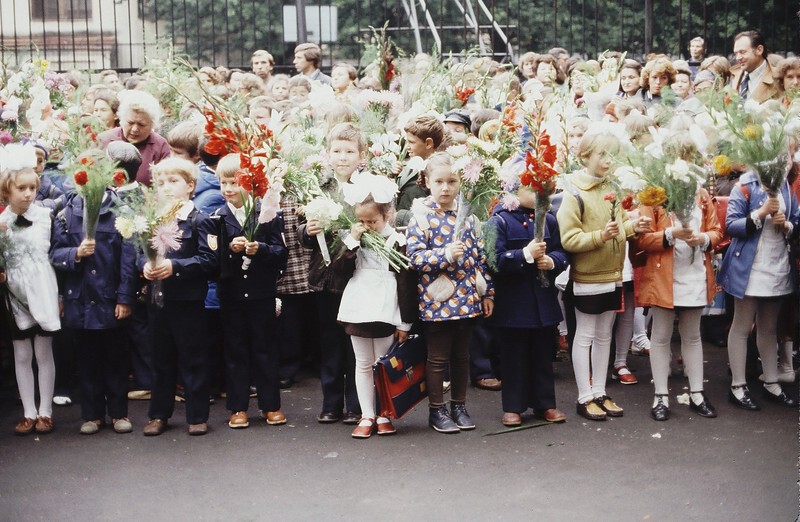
point(22, 221)
point(744, 86)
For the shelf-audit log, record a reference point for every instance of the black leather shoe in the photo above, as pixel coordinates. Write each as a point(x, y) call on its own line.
point(440, 420)
point(284, 384)
point(782, 398)
point(328, 417)
point(458, 410)
point(351, 418)
point(746, 402)
point(660, 411)
point(704, 409)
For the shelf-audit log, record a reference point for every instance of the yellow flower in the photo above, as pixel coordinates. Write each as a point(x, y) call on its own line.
point(652, 196)
point(753, 132)
point(43, 64)
point(722, 165)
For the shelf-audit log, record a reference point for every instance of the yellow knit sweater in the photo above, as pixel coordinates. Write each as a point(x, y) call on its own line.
point(593, 261)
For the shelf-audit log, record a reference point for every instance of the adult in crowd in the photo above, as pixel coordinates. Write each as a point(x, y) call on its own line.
point(307, 61)
point(697, 52)
point(262, 63)
point(139, 118)
point(753, 77)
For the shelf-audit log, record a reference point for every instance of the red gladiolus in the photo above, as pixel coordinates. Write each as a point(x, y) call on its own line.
point(216, 147)
point(86, 160)
point(463, 94)
point(81, 178)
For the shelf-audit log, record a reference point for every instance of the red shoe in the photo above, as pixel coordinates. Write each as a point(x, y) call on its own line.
point(624, 375)
point(364, 429)
point(385, 426)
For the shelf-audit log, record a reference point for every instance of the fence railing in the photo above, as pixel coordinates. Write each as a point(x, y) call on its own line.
point(120, 34)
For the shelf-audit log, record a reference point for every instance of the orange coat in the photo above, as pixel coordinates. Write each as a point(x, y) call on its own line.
point(656, 281)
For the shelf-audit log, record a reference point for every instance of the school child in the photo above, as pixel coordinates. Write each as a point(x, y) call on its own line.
point(247, 302)
point(449, 270)
point(526, 313)
point(48, 194)
point(370, 309)
point(424, 134)
point(337, 362)
point(180, 337)
point(299, 89)
point(279, 88)
point(597, 245)
point(98, 288)
point(32, 281)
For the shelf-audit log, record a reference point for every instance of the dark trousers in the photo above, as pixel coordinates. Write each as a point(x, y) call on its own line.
point(294, 332)
point(448, 344)
point(216, 347)
point(483, 364)
point(64, 356)
point(527, 355)
point(337, 360)
point(180, 343)
point(141, 346)
point(103, 369)
point(251, 353)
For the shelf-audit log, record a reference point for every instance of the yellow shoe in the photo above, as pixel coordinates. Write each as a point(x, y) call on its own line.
point(608, 406)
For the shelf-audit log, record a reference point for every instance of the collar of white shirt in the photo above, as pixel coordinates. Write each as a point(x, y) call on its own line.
point(756, 75)
point(183, 213)
point(238, 213)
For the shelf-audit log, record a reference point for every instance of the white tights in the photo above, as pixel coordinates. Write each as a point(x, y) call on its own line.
point(23, 366)
point(590, 351)
point(691, 346)
point(764, 312)
point(367, 351)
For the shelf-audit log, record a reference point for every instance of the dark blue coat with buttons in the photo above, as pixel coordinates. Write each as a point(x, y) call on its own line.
point(92, 287)
point(260, 278)
point(520, 300)
point(194, 263)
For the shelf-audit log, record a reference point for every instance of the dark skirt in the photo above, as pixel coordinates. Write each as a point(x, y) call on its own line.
point(597, 304)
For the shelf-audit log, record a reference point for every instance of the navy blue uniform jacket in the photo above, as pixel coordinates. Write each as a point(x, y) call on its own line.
point(260, 279)
point(94, 286)
point(520, 301)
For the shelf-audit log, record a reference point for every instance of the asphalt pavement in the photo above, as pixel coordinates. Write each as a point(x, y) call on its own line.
point(741, 466)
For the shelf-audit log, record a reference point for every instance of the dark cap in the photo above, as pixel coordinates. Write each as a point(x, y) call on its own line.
point(458, 116)
point(127, 155)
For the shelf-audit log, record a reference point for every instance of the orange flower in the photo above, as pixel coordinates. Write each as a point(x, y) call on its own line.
point(216, 147)
point(81, 178)
point(86, 160)
point(653, 196)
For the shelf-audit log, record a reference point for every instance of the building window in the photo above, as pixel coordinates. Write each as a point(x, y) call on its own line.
point(61, 9)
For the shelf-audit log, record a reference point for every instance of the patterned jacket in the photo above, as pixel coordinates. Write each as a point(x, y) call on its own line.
point(447, 290)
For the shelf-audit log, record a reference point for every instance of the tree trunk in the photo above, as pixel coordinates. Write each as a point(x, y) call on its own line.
point(648, 26)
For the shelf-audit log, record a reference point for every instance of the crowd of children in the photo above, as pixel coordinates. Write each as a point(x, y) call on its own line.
point(226, 312)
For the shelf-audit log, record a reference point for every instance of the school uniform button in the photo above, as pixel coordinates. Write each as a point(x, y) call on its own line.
point(94, 272)
point(92, 303)
point(245, 276)
point(246, 295)
point(69, 291)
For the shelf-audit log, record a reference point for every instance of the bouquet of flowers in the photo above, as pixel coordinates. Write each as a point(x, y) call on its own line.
point(378, 108)
point(94, 173)
point(757, 135)
point(380, 51)
point(152, 228)
point(384, 154)
point(479, 170)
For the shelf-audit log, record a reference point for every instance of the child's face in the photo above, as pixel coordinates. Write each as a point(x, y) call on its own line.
point(456, 128)
point(527, 197)
point(39, 168)
point(369, 216)
point(103, 112)
point(527, 69)
point(231, 191)
point(340, 78)
point(681, 85)
point(629, 81)
point(174, 187)
point(598, 163)
point(298, 92)
point(260, 115)
point(344, 157)
point(418, 147)
point(22, 191)
point(444, 186)
point(574, 139)
point(546, 73)
point(280, 90)
point(657, 81)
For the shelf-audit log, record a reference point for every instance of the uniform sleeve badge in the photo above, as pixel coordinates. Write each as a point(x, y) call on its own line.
point(212, 242)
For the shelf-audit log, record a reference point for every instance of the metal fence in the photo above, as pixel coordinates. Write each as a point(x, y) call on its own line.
point(120, 34)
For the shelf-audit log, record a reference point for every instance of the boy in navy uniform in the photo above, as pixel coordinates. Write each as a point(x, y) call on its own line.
point(180, 337)
point(98, 285)
point(246, 290)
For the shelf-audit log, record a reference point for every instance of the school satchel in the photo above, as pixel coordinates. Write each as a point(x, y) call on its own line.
point(400, 377)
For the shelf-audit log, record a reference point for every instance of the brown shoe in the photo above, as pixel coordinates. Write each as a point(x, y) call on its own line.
point(275, 418)
point(25, 426)
point(490, 384)
point(364, 429)
point(198, 429)
point(155, 427)
point(44, 425)
point(551, 415)
point(511, 419)
point(590, 410)
point(608, 406)
point(386, 427)
point(238, 420)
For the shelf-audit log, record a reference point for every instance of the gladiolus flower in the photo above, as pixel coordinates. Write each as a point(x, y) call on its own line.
point(86, 161)
point(120, 177)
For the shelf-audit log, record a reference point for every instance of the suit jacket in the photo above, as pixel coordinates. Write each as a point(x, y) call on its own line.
point(766, 89)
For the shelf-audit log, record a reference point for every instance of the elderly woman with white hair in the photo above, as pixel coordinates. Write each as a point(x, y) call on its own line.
point(139, 116)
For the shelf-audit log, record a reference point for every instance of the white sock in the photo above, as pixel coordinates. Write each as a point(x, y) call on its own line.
point(697, 398)
point(664, 399)
point(383, 420)
point(774, 388)
point(786, 357)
